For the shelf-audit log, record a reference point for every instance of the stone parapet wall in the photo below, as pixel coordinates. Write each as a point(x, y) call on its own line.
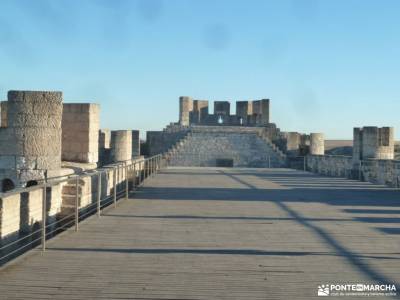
point(385, 172)
point(21, 209)
point(10, 215)
point(338, 166)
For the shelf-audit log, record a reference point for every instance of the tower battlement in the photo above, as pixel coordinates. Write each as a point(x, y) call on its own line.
point(248, 113)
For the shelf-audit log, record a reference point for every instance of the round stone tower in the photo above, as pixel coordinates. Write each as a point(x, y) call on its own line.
point(378, 143)
point(317, 144)
point(33, 136)
point(121, 145)
point(185, 107)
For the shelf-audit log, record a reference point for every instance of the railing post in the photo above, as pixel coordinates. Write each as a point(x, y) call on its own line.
point(146, 168)
point(304, 163)
point(269, 161)
point(126, 183)
point(359, 170)
point(141, 172)
point(134, 176)
point(99, 194)
point(144, 171)
point(44, 216)
point(77, 204)
point(115, 186)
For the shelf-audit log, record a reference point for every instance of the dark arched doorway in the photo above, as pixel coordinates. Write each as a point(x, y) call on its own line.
point(7, 185)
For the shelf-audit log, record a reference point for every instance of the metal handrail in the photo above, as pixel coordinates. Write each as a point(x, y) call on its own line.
point(135, 172)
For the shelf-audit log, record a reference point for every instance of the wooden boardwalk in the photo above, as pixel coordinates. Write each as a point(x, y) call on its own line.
point(208, 233)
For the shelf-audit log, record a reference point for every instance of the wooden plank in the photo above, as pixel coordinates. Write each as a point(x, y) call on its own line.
point(210, 233)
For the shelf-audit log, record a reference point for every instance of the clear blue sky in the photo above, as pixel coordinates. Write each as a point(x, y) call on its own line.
point(326, 65)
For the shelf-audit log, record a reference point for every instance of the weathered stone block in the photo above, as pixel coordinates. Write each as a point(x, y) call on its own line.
point(80, 125)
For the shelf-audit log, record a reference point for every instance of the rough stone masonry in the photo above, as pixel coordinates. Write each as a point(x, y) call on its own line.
point(30, 142)
point(80, 132)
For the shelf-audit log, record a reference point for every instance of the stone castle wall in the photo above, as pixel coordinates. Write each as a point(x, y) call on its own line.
point(337, 166)
point(210, 145)
point(385, 172)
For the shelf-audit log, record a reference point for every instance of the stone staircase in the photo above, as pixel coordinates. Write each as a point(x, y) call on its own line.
point(174, 150)
point(282, 156)
point(213, 146)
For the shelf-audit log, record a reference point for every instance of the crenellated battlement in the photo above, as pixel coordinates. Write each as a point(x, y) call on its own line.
point(248, 113)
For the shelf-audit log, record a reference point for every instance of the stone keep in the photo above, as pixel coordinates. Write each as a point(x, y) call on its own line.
point(30, 145)
point(185, 107)
point(121, 145)
point(135, 143)
point(80, 132)
point(373, 142)
point(317, 144)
